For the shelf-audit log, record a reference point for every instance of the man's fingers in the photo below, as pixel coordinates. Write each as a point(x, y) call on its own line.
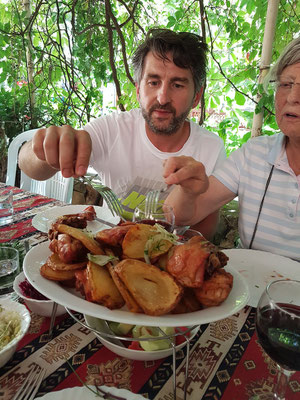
point(63, 148)
point(51, 146)
point(84, 149)
point(37, 144)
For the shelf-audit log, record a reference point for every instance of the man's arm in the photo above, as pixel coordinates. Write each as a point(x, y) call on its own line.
point(195, 196)
point(56, 148)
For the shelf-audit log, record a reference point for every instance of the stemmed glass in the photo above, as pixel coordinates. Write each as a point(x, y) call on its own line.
point(278, 329)
point(159, 213)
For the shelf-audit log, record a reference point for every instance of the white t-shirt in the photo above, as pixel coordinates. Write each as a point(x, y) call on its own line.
point(131, 165)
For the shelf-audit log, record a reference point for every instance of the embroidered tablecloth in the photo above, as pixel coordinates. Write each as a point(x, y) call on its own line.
point(226, 361)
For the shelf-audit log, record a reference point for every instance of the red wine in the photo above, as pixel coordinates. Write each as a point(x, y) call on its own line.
point(168, 227)
point(279, 334)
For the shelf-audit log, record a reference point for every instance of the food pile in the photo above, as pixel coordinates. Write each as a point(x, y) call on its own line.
point(138, 331)
point(138, 265)
point(10, 326)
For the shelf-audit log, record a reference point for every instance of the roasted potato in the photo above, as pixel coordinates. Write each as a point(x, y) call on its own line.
point(99, 287)
point(130, 302)
point(56, 275)
point(135, 240)
point(55, 263)
point(156, 291)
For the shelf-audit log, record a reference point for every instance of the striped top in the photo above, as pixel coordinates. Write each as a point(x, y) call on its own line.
point(245, 173)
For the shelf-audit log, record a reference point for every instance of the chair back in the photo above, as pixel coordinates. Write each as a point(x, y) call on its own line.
point(56, 187)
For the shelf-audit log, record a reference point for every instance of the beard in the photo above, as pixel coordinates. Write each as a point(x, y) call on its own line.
point(160, 128)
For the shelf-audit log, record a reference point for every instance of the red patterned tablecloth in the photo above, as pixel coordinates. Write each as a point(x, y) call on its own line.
point(226, 361)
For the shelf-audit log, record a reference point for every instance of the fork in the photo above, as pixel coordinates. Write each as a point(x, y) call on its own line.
point(108, 195)
point(151, 200)
point(111, 200)
point(31, 384)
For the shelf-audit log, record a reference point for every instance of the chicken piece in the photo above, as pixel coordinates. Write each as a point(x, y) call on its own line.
point(68, 249)
point(114, 236)
point(187, 263)
point(78, 220)
point(194, 261)
point(216, 289)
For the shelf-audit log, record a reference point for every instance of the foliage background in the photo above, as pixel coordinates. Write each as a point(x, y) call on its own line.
point(56, 56)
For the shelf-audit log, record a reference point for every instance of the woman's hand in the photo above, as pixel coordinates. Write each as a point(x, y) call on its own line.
point(186, 172)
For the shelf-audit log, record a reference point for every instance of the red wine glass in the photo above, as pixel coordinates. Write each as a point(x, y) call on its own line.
point(278, 329)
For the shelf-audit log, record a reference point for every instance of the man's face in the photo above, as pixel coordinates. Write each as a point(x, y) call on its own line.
point(166, 94)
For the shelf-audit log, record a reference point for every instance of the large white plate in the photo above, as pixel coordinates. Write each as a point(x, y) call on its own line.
point(43, 220)
point(70, 298)
point(260, 267)
point(79, 393)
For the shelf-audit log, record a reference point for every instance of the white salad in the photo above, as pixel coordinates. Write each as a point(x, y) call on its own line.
point(10, 326)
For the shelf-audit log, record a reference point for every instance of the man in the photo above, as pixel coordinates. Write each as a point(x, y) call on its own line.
point(128, 149)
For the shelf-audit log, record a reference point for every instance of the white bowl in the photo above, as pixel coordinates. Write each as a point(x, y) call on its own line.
point(139, 355)
point(8, 351)
point(39, 307)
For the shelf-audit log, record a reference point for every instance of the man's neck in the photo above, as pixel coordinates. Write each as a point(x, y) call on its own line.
point(169, 143)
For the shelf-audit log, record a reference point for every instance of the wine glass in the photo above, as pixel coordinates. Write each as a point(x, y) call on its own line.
point(160, 213)
point(278, 329)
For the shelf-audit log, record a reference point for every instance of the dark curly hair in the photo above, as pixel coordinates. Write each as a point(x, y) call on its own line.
point(188, 50)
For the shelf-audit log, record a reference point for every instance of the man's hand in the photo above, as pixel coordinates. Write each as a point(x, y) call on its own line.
point(63, 148)
point(186, 172)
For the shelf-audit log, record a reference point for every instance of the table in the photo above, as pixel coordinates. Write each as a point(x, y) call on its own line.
point(226, 361)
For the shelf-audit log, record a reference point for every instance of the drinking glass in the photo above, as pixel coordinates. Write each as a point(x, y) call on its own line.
point(6, 206)
point(9, 268)
point(160, 213)
point(278, 329)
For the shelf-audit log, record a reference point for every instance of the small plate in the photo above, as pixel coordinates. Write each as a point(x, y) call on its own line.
point(43, 220)
point(79, 393)
point(260, 267)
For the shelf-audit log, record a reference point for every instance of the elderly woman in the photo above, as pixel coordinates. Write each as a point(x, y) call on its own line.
point(264, 174)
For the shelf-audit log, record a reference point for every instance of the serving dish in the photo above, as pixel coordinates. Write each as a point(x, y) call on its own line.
point(139, 355)
point(71, 298)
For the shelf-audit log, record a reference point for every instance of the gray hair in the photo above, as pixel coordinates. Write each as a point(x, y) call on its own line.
point(188, 51)
point(289, 56)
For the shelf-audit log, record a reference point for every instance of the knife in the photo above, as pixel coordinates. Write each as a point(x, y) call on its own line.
point(105, 222)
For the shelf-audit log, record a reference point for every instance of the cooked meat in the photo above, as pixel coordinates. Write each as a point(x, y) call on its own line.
point(114, 236)
point(194, 261)
point(215, 289)
point(68, 249)
point(78, 220)
point(188, 262)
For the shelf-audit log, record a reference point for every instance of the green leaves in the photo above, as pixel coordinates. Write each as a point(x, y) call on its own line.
point(69, 47)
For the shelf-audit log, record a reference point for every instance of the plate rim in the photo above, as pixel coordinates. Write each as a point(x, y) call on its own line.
point(77, 395)
point(208, 315)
